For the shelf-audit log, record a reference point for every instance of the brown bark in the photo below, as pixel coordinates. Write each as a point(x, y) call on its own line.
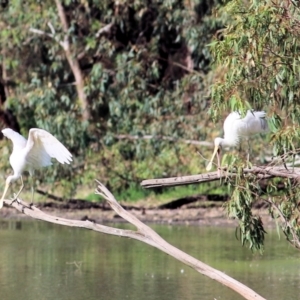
point(74, 64)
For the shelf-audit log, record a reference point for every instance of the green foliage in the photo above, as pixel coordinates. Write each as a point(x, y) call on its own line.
point(257, 52)
point(132, 194)
point(148, 84)
point(245, 192)
point(257, 66)
point(146, 71)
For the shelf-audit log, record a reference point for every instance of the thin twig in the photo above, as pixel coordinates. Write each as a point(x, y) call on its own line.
point(295, 242)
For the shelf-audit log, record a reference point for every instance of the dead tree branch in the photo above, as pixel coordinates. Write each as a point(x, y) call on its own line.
point(74, 63)
point(261, 172)
point(150, 237)
point(105, 29)
point(143, 233)
point(162, 137)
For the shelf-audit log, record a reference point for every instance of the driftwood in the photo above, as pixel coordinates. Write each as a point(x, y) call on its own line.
point(261, 172)
point(143, 233)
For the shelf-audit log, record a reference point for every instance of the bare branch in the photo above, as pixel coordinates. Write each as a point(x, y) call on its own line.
point(162, 137)
point(62, 16)
point(143, 233)
point(51, 27)
point(150, 237)
point(261, 172)
point(41, 32)
point(182, 180)
point(105, 29)
point(275, 171)
point(36, 213)
point(74, 63)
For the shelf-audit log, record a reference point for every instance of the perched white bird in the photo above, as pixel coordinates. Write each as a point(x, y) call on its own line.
point(31, 154)
point(235, 128)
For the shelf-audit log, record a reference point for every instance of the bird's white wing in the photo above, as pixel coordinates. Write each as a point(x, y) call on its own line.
point(18, 140)
point(42, 146)
point(230, 121)
point(256, 122)
point(231, 127)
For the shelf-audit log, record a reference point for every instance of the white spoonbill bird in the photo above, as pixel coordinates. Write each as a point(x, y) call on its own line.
point(235, 128)
point(31, 154)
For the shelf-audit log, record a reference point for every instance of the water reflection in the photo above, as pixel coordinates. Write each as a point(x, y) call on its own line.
point(44, 261)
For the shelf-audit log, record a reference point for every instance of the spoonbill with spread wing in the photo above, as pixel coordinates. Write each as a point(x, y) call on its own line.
point(31, 154)
point(235, 128)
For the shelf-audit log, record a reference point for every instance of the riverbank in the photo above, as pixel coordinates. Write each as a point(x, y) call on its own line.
point(214, 215)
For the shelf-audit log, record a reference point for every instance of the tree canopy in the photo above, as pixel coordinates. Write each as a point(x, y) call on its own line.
point(257, 54)
point(98, 74)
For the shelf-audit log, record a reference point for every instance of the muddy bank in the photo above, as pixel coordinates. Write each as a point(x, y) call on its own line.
point(214, 215)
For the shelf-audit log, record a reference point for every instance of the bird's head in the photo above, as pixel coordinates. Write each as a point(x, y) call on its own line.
point(7, 132)
point(218, 146)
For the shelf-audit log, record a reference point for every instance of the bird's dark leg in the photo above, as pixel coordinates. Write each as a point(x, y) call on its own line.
point(219, 158)
point(32, 189)
point(248, 154)
point(283, 160)
point(19, 192)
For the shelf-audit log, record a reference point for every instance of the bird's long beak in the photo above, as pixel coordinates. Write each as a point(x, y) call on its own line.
point(3, 196)
point(209, 166)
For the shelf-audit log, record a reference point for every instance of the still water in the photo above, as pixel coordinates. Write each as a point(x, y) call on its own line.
point(45, 261)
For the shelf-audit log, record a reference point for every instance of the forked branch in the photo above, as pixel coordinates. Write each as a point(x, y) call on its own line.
point(149, 236)
point(143, 233)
